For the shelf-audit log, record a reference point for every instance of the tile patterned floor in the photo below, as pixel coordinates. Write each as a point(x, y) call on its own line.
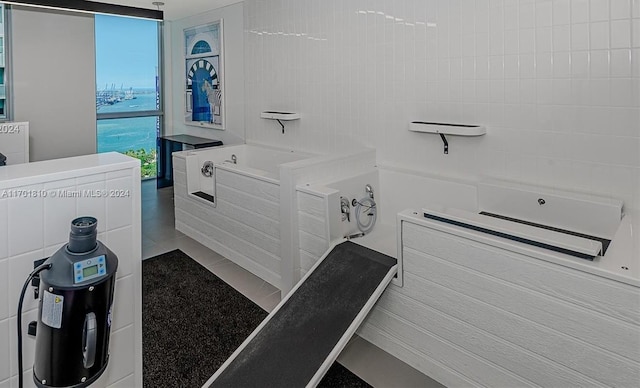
point(370, 363)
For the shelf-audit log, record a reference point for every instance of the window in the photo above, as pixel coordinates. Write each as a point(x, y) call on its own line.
point(128, 98)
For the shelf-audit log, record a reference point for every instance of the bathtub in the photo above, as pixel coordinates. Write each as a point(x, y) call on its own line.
point(256, 162)
point(321, 221)
point(234, 209)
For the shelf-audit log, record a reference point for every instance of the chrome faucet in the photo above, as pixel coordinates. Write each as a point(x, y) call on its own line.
point(369, 190)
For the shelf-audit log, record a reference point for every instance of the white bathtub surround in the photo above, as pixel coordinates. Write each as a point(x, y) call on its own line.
point(479, 310)
point(556, 83)
point(243, 224)
point(37, 203)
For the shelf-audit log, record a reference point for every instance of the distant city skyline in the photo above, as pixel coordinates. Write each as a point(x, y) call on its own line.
point(126, 52)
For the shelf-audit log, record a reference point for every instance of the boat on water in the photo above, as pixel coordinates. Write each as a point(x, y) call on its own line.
point(129, 95)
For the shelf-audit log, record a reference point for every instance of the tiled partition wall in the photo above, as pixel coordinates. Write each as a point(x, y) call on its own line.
point(557, 83)
point(34, 227)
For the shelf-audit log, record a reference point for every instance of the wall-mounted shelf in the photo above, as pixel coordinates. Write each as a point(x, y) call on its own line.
point(447, 129)
point(280, 117)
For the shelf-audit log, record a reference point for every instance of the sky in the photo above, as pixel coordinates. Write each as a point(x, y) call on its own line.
point(126, 52)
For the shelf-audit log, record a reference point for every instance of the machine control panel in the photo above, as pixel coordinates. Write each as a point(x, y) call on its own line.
point(89, 269)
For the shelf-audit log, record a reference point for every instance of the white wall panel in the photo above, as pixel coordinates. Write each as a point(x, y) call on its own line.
point(558, 91)
point(54, 80)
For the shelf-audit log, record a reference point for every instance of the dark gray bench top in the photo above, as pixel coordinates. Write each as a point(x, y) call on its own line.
point(300, 336)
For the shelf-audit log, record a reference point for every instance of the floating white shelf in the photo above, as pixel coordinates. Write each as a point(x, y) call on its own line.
point(284, 116)
point(280, 117)
point(447, 129)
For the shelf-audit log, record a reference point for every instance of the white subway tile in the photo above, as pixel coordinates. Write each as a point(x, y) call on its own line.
point(579, 11)
point(544, 65)
point(600, 35)
point(622, 151)
point(562, 65)
point(580, 36)
point(561, 12)
point(622, 182)
point(620, 34)
point(123, 359)
point(600, 92)
point(528, 41)
point(5, 311)
point(496, 61)
point(620, 63)
point(482, 68)
point(544, 39)
point(599, 10)
point(620, 9)
point(625, 121)
point(496, 43)
point(562, 91)
point(5, 355)
point(599, 64)
point(544, 119)
point(581, 91)
point(512, 91)
point(561, 38)
point(621, 92)
point(544, 13)
point(122, 243)
point(527, 15)
point(511, 16)
point(496, 91)
point(482, 44)
point(596, 120)
point(580, 64)
point(496, 67)
point(24, 234)
point(635, 31)
point(511, 43)
point(20, 267)
point(119, 203)
point(511, 66)
point(124, 298)
point(544, 91)
point(59, 211)
point(482, 91)
point(4, 229)
point(527, 66)
point(28, 347)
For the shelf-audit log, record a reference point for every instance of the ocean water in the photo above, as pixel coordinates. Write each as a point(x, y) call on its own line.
point(132, 133)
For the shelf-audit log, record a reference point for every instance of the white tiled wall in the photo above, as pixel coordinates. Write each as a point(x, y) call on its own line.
point(557, 83)
point(34, 228)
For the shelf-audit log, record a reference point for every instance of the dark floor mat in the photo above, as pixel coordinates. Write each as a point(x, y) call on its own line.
point(193, 321)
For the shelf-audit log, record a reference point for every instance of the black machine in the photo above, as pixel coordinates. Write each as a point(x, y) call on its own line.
point(3, 160)
point(75, 310)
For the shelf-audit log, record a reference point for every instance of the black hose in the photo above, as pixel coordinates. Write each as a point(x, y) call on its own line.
point(36, 271)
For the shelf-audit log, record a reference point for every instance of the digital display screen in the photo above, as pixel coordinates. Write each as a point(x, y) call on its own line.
point(89, 271)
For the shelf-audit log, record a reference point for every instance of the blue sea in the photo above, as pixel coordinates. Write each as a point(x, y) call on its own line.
point(128, 134)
